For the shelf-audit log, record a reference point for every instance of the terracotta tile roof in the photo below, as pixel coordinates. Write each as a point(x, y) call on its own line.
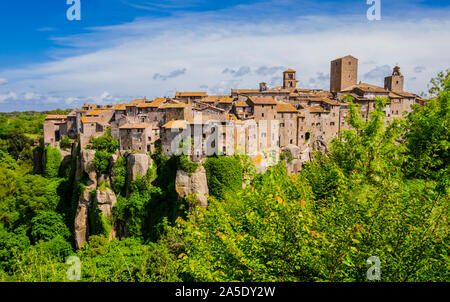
point(85, 119)
point(405, 94)
point(188, 94)
point(95, 112)
point(209, 99)
point(262, 100)
point(225, 100)
point(177, 124)
point(120, 107)
point(242, 104)
point(331, 102)
point(154, 104)
point(393, 95)
point(55, 117)
point(167, 106)
point(289, 70)
point(365, 88)
point(244, 90)
point(317, 109)
point(207, 106)
point(285, 108)
point(138, 101)
point(135, 126)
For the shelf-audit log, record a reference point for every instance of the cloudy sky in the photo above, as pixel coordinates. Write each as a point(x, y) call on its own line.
point(123, 49)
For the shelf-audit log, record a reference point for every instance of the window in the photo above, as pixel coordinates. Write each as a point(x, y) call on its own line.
point(332, 124)
point(262, 114)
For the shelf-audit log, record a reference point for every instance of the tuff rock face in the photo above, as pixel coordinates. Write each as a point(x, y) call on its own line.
point(82, 218)
point(186, 184)
point(105, 201)
point(86, 164)
point(138, 164)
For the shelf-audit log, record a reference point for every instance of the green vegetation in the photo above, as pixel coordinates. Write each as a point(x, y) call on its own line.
point(380, 191)
point(52, 162)
point(104, 147)
point(119, 175)
point(186, 165)
point(64, 143)
point(224, 175)
point(105, 143)
point(286, 155)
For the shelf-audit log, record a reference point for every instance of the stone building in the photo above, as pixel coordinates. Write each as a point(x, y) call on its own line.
point(55, 127)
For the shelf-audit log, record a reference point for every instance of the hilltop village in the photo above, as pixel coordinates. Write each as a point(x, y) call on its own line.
point(262, 123)
point(258, 122)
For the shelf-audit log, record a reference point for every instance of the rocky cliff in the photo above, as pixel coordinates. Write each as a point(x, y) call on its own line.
point(195, 183)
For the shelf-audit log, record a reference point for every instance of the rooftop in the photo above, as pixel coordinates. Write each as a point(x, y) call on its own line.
point(285, 108)
point(135, 126)
point(262, 100)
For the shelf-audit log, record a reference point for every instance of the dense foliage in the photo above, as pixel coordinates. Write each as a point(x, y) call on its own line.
point(224, 175)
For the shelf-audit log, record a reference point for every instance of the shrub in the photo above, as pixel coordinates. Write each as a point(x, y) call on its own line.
point(101, 162)
point(186, 165)
point(104, 143)
point(64, 143)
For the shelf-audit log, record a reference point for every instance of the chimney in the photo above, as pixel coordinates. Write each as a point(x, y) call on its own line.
point(262, 86)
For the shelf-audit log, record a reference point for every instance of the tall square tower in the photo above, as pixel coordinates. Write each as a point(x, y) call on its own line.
point(344, 73)
point(395, 81)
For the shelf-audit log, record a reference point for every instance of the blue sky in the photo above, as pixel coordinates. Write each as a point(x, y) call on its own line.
point(122, 49)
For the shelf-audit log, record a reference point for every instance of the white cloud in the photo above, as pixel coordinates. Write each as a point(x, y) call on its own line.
point(130, 55)
point(10, 96)
point(3, 81)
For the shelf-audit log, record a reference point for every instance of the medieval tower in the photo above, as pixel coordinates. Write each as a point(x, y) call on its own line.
point(395, 81)
point(343, 74)
point(289, 80)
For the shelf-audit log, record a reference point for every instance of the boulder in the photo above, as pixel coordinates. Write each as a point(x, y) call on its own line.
point(186, 184)
point(138, 164)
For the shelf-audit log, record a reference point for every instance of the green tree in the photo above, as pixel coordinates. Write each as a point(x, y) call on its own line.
point(48, 224)
point(428, 137)
point(53, 161)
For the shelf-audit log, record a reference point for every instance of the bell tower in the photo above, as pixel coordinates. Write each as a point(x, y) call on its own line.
point(395, 81)
point(289, 80)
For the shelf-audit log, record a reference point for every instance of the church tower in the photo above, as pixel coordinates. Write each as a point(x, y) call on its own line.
point(395, 81)
point(289, 80)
